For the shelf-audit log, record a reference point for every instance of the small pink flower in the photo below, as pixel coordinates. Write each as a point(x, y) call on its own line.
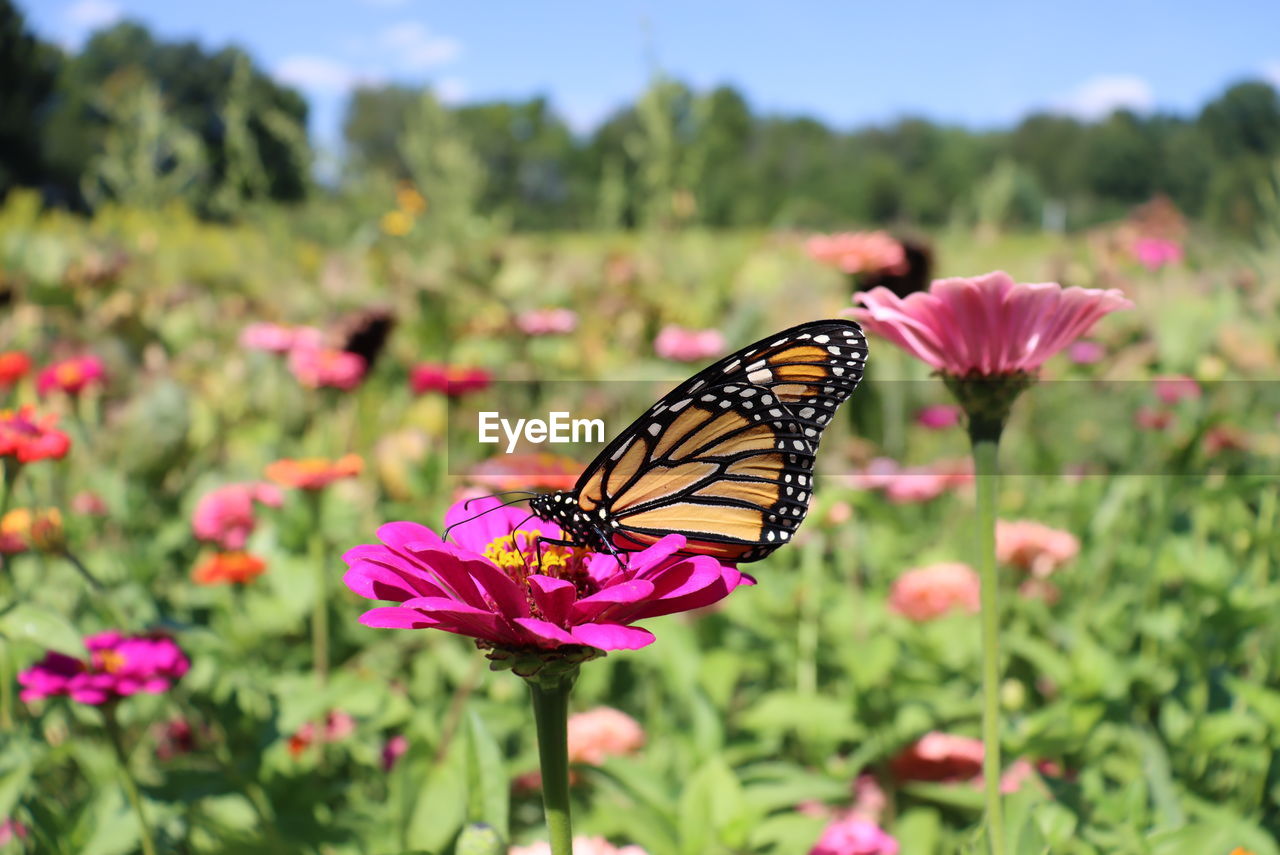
point(928, 592)
point(1175, 388)
point(939, 757)
point(1086, 352)
point(496, 584)
point(117, 666)
point(1034, 547)
point(1154, 253)
point(939, 416)
point(1039, 589)
point(869, 799)
point(602, 732)
point(859, 252)
point(915, 484)
point(581, 846)
point(87, 503)
point(985, 326)
point(452, 380)
point(688, 345)
point(319, 368)
point(547, 321)
point(225, 516)
point(392, 750)
point(1149, 418)
point(272, 338)
point(11, 830)
point(1220, 438)
point(338, 725)
point(854, 836)
point(175, 737)
point(71, 376)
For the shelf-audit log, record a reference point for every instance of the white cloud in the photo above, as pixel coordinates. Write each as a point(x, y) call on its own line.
point(451, 90)
point(316, 74)
point(91, 14)
point(1099, 97)
point(1271, 71)
point(416, 48)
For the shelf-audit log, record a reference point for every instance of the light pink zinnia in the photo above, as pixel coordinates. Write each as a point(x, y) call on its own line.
point(854, 836)
point(939, 416)
point(1175, 388)
point(225, 516)
point(487, 583)
point(71, 376)
point(547, 321)
point(581, 846)
point(914, 484)
point(859, 252)
point(392, 750)
point(1086, 352)
point(1154, 253)
point(318, 368)
point(929, 592)
point(687, 345)
point(272, 338)
point(1034, 547)
point(986, 326)
point(117, 666)
point(601, 733)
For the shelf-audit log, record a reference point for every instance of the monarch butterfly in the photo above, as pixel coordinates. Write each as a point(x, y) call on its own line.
point(726, 458)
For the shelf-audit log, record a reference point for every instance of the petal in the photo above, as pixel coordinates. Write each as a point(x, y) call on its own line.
point(553, 597)
point(398, 535)
point(378, 582)
point(396, 617)
point(546, 632)
point(611, 636)
point(624, 593)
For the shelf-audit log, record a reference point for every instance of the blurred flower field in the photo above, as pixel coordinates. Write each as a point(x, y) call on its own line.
point(203, 418)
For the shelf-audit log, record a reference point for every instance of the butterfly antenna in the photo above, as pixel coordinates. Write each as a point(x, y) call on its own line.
point(467, 504)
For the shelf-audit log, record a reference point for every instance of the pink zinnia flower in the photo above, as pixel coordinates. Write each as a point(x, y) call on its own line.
point(392, 750)
point(319, 368)
point(548, 321)
point(1086, 352)
point(71, 376)
point(1154, 253)
point(175, 737)
point(451, 380)
point(939, 416)
point(225, 516)
point(686, 345)
point(1034, 547)
point(1175, 388)
point(602, 732)
point(117, 666)
point(914, 484)
point(338, 725)
point(492, 584)
point(581, 846)
point(1149, 418)
point(928, 592)
point(854, 836)
point(11, 830)
point(859, 252)
point(986, 326)
point(272, 338)
point(939, 757)
point(28, 437)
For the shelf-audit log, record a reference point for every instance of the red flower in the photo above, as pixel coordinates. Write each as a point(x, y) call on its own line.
point(14, 365)
point(314, 473)
point(29, 438)
point(71, 376)
point(451, 380)
point(228, 568)
point(939, 757)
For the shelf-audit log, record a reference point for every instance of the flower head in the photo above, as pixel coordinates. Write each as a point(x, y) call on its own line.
point(1086, 352)
point(495, 582)
point(322, 367)
point(1175, 388)
point(986, 326)
point(269, 337)
point(228, 568)
point(547, 321)
point(939, 416)
point(11, 830)
point(1154, 253)
point(854, 836)
point(338, 725)
point(686, 345)
point(175, 737)
point(225, 516)
point(71, 376)
point(581, 846)
point(22, 529)
point(859, 252)
point(314, 473)
point(939, 757)
point(117, 666)
point(929, 592)
point(914, 484)
point(14, 365)
point(448, 379)
point(602, 732)
point(1034, 547)
point(392, 750)
point(28, 437)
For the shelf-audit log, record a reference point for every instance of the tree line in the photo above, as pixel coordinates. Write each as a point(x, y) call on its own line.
point(133, 118)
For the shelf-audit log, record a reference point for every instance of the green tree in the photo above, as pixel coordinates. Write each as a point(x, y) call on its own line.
point(29, 70)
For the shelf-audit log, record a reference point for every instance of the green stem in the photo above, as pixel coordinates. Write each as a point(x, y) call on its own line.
point(320, 613)
point(10, 467)
point(551, 714)
point(130, 783)
point(985, 446)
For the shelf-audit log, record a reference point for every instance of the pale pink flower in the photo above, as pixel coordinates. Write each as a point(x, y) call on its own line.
point(854, 836)
point(225, 516)
point(928, 592)
point(985, 326)
point(581, 846)
point(318, 368)
point(914, 484)
point(859, 252)
point(1039, 589)
point(11, 830)
point(392, 750)
point(272, 338)
point(1086, 352)
point(547, 321)
point(1175, 388)
point(1154, 253)
point(602, 732)
point(687, 345)
point(939, 416)
point(1034, 547)
point(1149, 418)
point(869, 799)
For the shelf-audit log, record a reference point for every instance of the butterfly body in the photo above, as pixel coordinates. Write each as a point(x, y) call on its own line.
point(726, 458)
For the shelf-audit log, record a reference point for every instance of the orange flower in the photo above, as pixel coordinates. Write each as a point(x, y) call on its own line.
point(14, 365)
point(1034, 547)
point(602, 732)
point(228, 568)
point(527, 472)
point(21, 529)
point(314, 473)
point(929, 592)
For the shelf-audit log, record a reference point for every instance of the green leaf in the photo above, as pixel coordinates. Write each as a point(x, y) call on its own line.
point(43, 626)
point(710, 804)
point(918, 831)
point(441, 808)
point(489, 798)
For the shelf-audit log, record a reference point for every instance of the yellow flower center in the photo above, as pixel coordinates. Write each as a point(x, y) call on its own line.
point(110, 660)
point(518, 549)
point(68, 374)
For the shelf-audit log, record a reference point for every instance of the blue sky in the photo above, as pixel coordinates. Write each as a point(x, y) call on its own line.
point(982, 64)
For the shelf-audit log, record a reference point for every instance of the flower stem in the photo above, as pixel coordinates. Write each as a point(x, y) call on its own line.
point(985, 440)
point(130, 783)
point(551, 714)
point(320, 612)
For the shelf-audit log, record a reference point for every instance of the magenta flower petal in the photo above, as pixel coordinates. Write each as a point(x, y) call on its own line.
point(610, 636)
point(379, 582)
point(396, 617)
point(399, 535)
point(553, 597)
point(546, 631)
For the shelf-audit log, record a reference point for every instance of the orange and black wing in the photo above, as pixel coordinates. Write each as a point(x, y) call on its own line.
point(726, 459)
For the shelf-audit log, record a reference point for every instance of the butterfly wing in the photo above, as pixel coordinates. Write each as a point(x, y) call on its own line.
point(726, 458)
